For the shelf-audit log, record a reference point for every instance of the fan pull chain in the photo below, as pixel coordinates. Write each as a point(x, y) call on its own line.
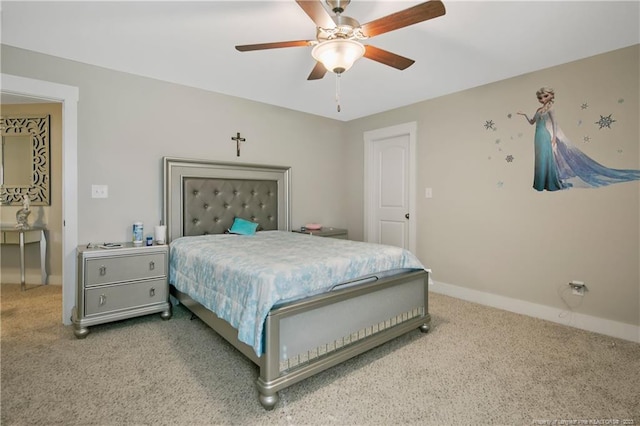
point(338, 91)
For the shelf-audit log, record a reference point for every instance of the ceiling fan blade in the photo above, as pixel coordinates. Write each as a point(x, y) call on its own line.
point(404, 18)
point(276, 45)
point(387, 58)
point(318, 72)
point(317, 13)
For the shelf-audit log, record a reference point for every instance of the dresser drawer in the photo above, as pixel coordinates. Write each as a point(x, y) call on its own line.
point(107, 270)
point(99, 300)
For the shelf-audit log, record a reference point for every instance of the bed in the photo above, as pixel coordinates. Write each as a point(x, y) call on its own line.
point(290, 334)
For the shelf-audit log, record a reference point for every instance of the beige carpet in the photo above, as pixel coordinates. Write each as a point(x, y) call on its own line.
point(478, 365)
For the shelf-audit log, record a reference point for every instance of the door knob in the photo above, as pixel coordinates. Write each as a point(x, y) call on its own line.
point(406, 215)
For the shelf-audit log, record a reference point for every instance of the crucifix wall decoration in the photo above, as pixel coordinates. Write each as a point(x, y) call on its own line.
point(238, 139)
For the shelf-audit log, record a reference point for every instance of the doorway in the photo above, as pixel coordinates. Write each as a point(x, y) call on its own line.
point(389, 187)
point(68, 96)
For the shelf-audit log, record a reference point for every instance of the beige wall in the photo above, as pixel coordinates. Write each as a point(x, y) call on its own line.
point(49, 216)
point(127, 123)
point(505, 240)
point(508, 239)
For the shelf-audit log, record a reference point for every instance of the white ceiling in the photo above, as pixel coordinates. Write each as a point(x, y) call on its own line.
point(192, 43)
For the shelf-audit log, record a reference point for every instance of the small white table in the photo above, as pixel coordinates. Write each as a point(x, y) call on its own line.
point(35, 234)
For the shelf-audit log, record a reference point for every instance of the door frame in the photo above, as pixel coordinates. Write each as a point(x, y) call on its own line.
point(370, 138)
point(68, 96)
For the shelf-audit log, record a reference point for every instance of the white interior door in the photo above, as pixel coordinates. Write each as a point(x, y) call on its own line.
point(389, 186)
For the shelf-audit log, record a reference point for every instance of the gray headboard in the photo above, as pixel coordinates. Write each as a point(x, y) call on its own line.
point(202, 197)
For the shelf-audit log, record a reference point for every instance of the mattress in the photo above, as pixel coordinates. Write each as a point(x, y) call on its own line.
point(241, 277)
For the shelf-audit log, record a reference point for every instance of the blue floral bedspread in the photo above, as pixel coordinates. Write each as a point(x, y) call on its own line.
point(241, 277)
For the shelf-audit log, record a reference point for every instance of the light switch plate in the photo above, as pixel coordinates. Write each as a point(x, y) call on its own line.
point(99, 191)
point(428, 193)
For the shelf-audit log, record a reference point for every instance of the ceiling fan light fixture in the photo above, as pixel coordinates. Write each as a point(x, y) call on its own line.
point(338, 55)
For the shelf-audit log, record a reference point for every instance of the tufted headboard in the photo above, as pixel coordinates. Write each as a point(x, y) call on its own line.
point(202, 197)
point(210, 205)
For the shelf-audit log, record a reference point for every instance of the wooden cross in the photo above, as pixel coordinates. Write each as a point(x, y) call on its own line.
point(238, 139)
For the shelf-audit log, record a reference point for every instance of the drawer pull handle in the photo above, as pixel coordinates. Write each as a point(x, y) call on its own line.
point(152, 265)
point(152, 292)
point(103, 270)
point(103, 300)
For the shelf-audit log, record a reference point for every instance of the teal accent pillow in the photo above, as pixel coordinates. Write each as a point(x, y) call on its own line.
point(243, 227)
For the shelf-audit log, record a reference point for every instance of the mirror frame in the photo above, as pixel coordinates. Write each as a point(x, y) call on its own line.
point(38, 127)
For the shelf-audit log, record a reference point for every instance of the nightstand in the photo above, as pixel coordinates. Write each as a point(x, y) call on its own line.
point(120, 283)
point(325, 231)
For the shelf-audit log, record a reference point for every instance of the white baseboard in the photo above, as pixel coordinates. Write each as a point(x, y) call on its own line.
point(572, 319)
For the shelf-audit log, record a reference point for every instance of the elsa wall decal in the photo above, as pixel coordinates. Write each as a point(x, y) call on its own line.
point(558, 163)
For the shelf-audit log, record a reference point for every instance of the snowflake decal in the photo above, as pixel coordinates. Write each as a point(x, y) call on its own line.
point(509, 158)
point(605, 121)
point(586, 139)
point(584, 106)
point(489, 125)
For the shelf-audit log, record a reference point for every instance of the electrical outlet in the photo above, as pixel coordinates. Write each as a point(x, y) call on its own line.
point(99, 191)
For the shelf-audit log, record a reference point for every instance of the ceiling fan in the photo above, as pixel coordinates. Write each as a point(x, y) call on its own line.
point(337, 45)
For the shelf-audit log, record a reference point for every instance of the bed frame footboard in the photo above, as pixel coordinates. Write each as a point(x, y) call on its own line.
point(305, 337)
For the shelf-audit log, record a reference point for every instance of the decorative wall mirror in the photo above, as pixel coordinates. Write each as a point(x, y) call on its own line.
point(25, 160)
